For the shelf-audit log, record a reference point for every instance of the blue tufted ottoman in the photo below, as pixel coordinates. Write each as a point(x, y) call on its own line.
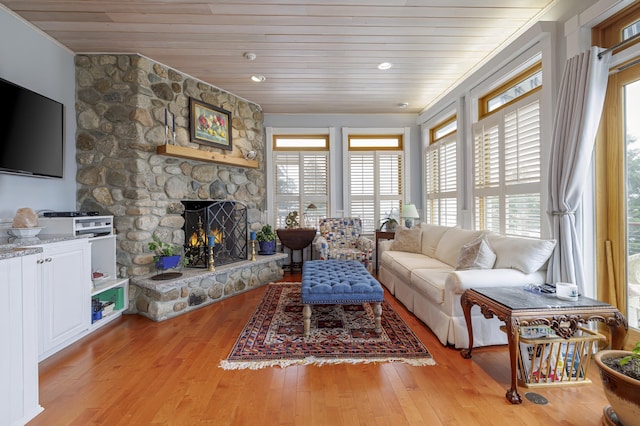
point(339, 282)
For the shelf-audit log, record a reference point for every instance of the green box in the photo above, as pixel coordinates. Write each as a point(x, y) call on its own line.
point(115, 295)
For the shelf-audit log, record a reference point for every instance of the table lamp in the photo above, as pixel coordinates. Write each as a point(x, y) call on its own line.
point(409, 213)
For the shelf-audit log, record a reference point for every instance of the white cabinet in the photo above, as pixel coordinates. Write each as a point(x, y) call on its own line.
point(64, 287)
point(105, 285)
point(19, 400)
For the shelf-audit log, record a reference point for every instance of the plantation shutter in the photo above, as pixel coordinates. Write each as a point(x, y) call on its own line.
point(507, 170)
point(441, 181)
point(301, 179)
point(375, 186)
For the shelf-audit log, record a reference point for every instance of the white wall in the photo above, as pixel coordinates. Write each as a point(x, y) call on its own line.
point(373, 121)
point(32, 60)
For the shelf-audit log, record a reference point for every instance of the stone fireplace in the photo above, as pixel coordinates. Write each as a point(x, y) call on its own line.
point(121, 104)
point(225, 221)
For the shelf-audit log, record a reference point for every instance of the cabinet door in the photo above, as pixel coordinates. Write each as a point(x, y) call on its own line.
point(18, 353)
point(65, 293)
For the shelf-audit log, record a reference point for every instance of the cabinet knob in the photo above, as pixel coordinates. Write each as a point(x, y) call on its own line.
point(40, 261)
point(48, 259)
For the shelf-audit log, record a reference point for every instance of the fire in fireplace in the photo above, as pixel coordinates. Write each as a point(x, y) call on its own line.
point(225, 220)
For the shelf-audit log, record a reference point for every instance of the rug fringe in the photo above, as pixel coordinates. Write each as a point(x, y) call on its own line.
point(282, 363)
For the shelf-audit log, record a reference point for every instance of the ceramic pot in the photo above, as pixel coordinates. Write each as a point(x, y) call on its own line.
point(167, 262)
point(622, 392)
point(267, 247)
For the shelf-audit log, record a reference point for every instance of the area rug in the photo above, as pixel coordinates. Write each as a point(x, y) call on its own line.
point(339, 334)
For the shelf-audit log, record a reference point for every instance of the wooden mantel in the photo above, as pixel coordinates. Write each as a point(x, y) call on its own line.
point(197, 154)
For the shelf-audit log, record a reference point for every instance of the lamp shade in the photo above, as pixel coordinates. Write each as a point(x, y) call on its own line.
point(410, 211)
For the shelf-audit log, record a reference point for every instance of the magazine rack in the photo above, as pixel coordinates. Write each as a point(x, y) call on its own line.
point(545, 359)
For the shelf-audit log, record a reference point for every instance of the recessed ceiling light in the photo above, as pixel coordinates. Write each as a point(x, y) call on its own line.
point(258, 78)
point(403, 104)
point(384, 65)
point(250, 56)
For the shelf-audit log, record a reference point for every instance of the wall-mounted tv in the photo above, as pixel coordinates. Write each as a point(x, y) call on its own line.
point(31, 132)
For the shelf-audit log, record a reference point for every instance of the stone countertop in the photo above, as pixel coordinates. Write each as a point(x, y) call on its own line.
point(14, 247)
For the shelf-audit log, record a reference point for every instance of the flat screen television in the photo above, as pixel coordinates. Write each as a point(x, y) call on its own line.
point(31, 132)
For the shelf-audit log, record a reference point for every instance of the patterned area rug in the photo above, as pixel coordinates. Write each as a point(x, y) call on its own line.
point(339, 334)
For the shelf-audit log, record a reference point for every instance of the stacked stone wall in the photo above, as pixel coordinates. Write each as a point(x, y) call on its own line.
point(120, 110)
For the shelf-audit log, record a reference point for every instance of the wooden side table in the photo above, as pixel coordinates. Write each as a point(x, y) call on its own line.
point(517, 308)
point(382, 235)
point(296, 239)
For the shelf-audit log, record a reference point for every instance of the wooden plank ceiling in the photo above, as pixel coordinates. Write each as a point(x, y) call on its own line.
point(318, 56)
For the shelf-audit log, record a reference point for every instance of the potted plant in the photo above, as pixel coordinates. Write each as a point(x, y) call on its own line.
point(620, 375)
point(267, 240)
point(389, 223)
point(167, 255)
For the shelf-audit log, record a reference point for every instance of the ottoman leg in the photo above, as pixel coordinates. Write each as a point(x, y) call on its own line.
point(377, 315)
point(306, 315)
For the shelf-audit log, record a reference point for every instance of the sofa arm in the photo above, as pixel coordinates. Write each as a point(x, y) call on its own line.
point(459, 281)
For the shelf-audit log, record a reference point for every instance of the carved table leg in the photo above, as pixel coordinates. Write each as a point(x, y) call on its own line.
point(306, 315)
point(513, 335)
point(619, 327)
point(466, 310)
point(377, 315)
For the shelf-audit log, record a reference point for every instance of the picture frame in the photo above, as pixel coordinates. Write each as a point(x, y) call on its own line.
point(209, 124)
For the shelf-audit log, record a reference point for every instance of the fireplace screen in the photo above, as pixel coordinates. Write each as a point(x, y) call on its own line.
point(226, 221)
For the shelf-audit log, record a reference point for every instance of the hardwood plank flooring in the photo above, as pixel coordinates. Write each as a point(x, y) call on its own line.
point(139, 372)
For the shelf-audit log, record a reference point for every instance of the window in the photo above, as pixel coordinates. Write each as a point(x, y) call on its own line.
point(440, 175)
point(524, 83)
point(507, 169)
point(617, 165)
point(301, 165)
point(375, 178)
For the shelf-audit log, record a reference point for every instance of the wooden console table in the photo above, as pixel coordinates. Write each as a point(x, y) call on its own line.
point(517, 307)
point(382, 235)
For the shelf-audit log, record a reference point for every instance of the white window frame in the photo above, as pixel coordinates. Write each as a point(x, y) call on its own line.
point(269, 214)
point(406, 172)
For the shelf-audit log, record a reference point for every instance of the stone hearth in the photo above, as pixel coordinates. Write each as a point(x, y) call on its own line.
point(161, 300)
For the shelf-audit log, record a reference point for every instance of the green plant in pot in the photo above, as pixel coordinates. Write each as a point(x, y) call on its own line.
point(267, 240)
point(389, 223)
point(166, 255)
point(620, 375)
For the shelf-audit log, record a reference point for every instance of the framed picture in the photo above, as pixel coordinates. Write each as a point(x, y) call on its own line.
point(209, 124)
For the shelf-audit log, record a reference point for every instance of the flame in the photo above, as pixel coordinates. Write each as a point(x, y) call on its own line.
point(196, 241)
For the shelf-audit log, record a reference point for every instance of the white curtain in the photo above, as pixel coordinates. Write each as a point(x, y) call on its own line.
point(580, 101)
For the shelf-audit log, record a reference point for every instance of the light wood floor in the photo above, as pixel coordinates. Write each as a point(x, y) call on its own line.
point(138, 372)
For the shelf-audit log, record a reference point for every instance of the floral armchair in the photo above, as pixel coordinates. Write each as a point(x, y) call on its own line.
point(340, 238)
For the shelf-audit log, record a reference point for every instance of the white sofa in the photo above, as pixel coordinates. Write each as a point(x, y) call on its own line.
point(428, 268)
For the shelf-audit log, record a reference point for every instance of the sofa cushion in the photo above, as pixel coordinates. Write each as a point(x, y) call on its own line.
point(453, 239)
point(430, 283)
point(525, 254)
point(476, 255)
point(408, 240)
point(402, 263)
point(431, 235)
